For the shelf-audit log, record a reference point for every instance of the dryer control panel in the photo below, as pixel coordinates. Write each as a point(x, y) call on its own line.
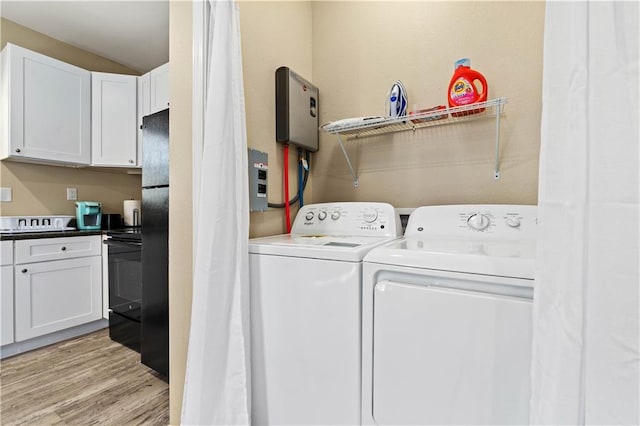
point(349, 218)
point(488, 221)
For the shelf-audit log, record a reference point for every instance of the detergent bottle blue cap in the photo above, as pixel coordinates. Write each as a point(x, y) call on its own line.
point(464, 62)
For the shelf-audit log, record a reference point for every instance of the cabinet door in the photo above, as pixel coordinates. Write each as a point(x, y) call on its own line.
point(144, 107)
point(113, 119)
point(6, 304)
point(48, 108)
point(6, 252)
point(159, 88)
point(52, 296)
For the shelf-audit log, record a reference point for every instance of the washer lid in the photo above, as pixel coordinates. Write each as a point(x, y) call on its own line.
point(498, 257)
point(329, 247)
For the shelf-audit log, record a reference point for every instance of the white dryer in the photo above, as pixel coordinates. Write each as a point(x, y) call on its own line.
point(447, 318)
point(305, 313)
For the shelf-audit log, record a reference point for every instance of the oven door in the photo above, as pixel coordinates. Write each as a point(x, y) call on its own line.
point(125, 291)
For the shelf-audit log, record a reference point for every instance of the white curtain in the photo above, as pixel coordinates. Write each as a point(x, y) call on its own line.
point(217, 383)
point(585, 367)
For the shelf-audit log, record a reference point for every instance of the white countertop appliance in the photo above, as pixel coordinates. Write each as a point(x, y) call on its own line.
point(447, 318)
point(305, 313)
point(22, 224)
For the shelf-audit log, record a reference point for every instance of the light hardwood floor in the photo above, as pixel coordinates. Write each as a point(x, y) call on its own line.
point(89, 380)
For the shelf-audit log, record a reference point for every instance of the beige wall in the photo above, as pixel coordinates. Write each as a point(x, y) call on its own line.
point(361, 48)
point(180, 196)
point(274, 34)
point(40, 189)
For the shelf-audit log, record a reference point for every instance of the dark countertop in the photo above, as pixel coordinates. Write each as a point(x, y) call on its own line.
point(129, 230)
point(48, 234)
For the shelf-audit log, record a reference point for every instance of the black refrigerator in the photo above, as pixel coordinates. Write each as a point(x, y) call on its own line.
point(154, 330)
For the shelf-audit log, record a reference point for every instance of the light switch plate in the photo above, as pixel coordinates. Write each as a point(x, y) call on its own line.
point(72, 194)
point(6, 195)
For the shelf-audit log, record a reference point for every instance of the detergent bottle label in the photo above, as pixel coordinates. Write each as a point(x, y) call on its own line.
point(463, 92)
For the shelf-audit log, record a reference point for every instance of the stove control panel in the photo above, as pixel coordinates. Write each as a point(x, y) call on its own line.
point(349, 218)
point(486, 221)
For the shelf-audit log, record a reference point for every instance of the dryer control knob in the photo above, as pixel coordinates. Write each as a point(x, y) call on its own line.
point(478, 221)
point(322, 215)
point(309, 216)
point(513, 222)
point(370, 215)
point(335, 215)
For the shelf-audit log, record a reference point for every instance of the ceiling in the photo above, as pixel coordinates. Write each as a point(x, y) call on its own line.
point(132, 33)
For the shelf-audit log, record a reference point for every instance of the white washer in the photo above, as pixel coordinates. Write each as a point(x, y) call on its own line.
point(305, 313)
point(447, 318)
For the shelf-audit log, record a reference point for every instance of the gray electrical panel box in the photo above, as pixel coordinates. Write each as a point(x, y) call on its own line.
point(296, 110)
point(258, 166)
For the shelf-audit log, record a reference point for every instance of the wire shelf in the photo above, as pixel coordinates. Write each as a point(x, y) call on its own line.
point(372, 126)
point(380, 125)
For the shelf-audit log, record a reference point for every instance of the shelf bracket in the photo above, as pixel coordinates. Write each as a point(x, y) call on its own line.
point(346, 157)
point(496, 170)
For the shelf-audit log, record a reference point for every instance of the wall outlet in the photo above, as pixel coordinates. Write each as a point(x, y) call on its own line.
point(6, 195)
point(72, 194)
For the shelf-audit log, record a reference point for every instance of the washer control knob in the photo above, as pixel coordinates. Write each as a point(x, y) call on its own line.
point(513, 222)
point(335, 215)
point(478, 221)
point(322, 215)
point(309, 216)
point(370, 215)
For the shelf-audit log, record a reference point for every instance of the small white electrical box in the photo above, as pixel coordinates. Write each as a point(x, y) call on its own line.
point(6, 194)
point(72, 194)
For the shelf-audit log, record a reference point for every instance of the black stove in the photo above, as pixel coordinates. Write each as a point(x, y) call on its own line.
point(125, 285)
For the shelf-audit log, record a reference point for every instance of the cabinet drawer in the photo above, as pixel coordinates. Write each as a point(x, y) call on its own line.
point(6, 253)
point(29, 251)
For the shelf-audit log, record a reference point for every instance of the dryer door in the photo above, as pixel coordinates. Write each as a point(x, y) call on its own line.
point(450, 356)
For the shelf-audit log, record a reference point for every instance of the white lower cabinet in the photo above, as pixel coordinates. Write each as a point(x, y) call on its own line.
point(58, 294)
point(6, 292)
point(6, 304)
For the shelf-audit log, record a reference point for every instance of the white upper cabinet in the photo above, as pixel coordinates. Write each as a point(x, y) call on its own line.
point(144, 107)
point(153, 96)
point(113, 120)
point(46, 109)
point(159, 88)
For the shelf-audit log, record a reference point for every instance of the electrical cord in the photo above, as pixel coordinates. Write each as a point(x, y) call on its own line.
point(304, 185)
point(300, 177)
point(285, 166)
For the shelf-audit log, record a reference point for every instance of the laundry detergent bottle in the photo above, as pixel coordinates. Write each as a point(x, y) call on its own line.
point(467, 87)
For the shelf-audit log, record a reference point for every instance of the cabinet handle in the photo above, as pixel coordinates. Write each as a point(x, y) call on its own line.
point(24, 271)
point(63, 248)
point(18, 150)
point(130, 161)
